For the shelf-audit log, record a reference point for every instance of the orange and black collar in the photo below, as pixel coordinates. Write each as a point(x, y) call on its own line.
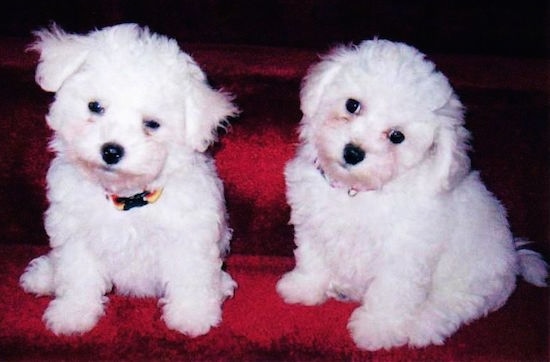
point(137, 200)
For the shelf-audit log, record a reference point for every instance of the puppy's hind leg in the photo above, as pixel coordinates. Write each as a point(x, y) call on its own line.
point(441, 315)
point(38, 277)
point(450, 305)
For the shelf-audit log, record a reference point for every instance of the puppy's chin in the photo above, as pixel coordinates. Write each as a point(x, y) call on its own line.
point(342, 176)
point(117, 180)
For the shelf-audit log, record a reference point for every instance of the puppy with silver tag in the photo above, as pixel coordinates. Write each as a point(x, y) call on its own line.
point(385, 208)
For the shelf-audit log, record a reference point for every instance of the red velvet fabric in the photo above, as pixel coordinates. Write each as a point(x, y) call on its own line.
point(257, 325)
point(507, 114)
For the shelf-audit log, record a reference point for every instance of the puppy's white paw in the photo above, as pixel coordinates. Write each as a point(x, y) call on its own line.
point(38, 277)
point(193, 319)
point(373, 333)
point(228, 286)
point(426, 335)
point(431, 328)
point(72, 316)
point(296, 287)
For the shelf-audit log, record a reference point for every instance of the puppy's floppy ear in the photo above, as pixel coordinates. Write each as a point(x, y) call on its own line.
point(61, 54)
point(205, 108)
point(314, 86)
point(451, 146)
point(315, 82)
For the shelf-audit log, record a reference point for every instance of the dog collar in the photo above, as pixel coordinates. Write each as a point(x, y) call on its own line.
point(137, 200)
point(351, 191)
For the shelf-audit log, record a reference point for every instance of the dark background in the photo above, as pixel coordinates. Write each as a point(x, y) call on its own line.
point(509, 28)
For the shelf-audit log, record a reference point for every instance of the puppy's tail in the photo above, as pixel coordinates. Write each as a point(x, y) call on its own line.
point(532, 266)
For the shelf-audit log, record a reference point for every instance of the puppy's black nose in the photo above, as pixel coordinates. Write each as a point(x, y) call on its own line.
point(353, 154)
point(112, 153)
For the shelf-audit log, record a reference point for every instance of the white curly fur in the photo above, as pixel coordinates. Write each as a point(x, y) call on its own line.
point(408, 230)
point(171, 248)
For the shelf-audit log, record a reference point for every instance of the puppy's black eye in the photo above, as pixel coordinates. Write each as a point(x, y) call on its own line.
point(396, 137)
point(151, 124)
point(353, 106)
point(96, 107)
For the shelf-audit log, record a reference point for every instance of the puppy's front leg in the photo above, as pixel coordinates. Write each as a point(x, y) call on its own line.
point(389, 304)
point(79, 290)
point(308, 283)
point(195, 287)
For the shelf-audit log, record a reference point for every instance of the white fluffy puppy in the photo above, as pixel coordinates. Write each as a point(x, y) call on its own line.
point(385, 208)
point(135, 204)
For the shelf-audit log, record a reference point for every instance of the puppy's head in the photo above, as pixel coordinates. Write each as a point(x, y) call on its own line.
point(379, 111)
point(128, 103)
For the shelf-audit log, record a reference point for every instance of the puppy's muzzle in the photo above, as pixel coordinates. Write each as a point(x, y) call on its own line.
point(353, 154)
point(112, 153)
